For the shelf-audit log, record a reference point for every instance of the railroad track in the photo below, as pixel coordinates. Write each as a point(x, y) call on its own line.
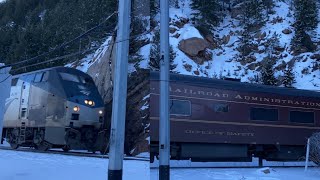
point(72, 153)
point(195, 165)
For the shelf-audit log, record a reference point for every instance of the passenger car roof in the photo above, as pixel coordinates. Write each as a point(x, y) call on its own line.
point(233, 85)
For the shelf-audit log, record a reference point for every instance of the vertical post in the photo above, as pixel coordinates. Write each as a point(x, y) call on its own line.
point(164, 147)
point(5, 85)
point(307, 155)
point(120, 92)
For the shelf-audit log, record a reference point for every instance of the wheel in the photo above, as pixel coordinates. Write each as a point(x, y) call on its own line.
point(14, 145)
point(41, 147)
point(66, 149)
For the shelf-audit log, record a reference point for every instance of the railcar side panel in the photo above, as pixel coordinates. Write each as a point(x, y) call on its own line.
point(207, 119)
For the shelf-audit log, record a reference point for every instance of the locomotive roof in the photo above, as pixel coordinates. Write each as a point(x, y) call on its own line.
point(48, 69)
point(233, 85)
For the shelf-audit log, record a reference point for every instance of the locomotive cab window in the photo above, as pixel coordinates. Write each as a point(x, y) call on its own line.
point(302, 117)
point(221, 108)
point(14, 82)
point(69, 77)
point(38, 77)
point(264, 114)
point(180, 108)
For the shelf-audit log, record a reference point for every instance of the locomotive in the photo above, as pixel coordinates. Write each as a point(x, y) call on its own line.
point(219, 120)
point(54, 108)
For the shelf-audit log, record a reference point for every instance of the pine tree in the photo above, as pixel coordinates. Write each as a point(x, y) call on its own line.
point(289, 78)
point(306, 16)
point(253, 13)
point(174, 3)
point(209, 14)
point(154, 61)
point(245, 43)
point(267, 74)
point(272, 43)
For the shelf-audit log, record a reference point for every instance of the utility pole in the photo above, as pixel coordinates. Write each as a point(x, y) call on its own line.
point(120, 92)
point(5, 86)
point(164, 147)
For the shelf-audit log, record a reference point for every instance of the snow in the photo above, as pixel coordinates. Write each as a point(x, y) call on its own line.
point(17, 165)
point(224, 64)
point(85, 63)
point(241, 174)
point(145, 52)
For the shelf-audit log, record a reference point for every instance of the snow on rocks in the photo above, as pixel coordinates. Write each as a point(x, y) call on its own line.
point(225, 40)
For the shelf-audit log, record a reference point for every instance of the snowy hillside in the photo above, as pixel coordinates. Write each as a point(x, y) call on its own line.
point(221, 56)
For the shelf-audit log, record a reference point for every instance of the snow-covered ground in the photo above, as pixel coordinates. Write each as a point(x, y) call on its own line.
point(16, 165)
point(241, 174)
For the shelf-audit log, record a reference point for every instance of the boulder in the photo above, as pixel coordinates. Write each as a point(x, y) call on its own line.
point(193, 46)
point(226, 39)
point(209, 38)
point(177, 35)
point(286, 31)
point(181, 22)
point(279, 48)
point(188, 67)
point(315, 56)
point(236, 11)
point(248, 60)
point(172, 30)
point(253, 66)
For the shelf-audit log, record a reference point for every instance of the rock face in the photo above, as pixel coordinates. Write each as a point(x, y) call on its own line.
point(196, 49)
point(101, 72)
point(137, 118)
point(137, 113)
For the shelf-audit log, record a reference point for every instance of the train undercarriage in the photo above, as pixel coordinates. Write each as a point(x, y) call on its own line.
point(200, 152)
point(84, 138)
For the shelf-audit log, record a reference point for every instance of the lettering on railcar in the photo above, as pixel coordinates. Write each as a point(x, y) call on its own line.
point(240, 97)
point(218, 133)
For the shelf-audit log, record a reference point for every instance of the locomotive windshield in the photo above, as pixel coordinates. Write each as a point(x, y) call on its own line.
point(79, 87)
point(75, 78)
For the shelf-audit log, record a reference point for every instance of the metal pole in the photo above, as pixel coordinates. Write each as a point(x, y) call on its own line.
point(164, 148)
point(307, 155)
point(120, 93)
point(5, 87)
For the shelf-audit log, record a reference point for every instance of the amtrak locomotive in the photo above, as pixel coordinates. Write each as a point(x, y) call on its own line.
point(54, 108)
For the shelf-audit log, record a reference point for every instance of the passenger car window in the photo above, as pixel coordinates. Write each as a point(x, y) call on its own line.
point(180, 107)
point(69, 77)
point(302, 117)
point(264, 114)
point(221, 108)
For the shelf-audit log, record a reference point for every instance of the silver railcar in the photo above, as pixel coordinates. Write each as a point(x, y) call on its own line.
point(54, 108)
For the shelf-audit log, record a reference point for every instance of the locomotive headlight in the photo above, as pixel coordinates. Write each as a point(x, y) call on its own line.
point(91, 103)
point(100, 112)
point(86, 101)
point(76, 109)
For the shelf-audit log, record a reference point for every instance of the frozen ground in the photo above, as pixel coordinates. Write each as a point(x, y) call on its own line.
point(241, 174)
point(38, 166)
